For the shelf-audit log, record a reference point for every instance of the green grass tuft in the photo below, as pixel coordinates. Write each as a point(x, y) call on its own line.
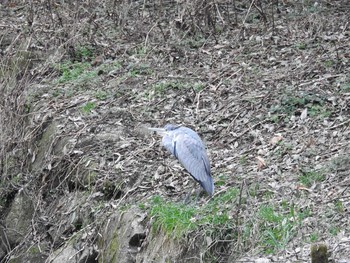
point(273, 225)
point(177, 219)
point(308, 178)
point(294, 105)
point(88, 107)
point(75, 71)
point(84, 52)
point(277, 226)
point(101, 95)
point(174, 219)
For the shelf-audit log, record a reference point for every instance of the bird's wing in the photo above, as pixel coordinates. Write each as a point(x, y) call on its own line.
point(192, 155)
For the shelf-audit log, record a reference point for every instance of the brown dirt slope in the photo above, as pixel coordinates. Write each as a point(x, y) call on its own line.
point(265, 83)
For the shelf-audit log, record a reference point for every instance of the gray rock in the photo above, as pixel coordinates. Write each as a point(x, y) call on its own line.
point(18, 220)
point(66, 254)
point(123, 236)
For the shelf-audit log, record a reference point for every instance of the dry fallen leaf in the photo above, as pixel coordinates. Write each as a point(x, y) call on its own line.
point(33, 157)
point(261, 162)
point(303, 115)
point(209, 240)
point(276, 139)
point(301, 187)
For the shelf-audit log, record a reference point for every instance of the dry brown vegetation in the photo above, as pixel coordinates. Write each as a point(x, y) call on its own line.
point(265, 83)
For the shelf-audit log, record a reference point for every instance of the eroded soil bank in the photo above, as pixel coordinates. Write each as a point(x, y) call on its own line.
point(266, 85)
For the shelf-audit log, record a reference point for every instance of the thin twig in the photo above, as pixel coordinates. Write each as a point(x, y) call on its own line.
point(146, 40)
point(339, 125)
point(246, 16)
point(316, 80)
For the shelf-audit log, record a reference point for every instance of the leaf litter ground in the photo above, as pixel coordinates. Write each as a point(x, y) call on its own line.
point(271, 105)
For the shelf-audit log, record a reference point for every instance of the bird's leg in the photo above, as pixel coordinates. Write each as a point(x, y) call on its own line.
point(188, 195)
point(199, 190)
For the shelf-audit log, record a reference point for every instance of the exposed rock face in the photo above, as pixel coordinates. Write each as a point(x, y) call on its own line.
point(16, 226)
point(67, 255)
point(123, 236)
point(126, 239)
point(162, 249)
point(70, 254)
point(18, 220)
point(44, 147)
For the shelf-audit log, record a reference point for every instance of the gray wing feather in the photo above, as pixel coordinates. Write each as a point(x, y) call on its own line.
point(191, 152)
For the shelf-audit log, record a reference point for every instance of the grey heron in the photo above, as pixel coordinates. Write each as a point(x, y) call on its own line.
point(186, 145)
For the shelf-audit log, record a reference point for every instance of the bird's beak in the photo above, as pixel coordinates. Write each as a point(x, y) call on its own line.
point(160, 131)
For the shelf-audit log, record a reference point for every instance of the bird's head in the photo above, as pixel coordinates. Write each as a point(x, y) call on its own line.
point(171, 127)
point(160, 131)
point(164, 131)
